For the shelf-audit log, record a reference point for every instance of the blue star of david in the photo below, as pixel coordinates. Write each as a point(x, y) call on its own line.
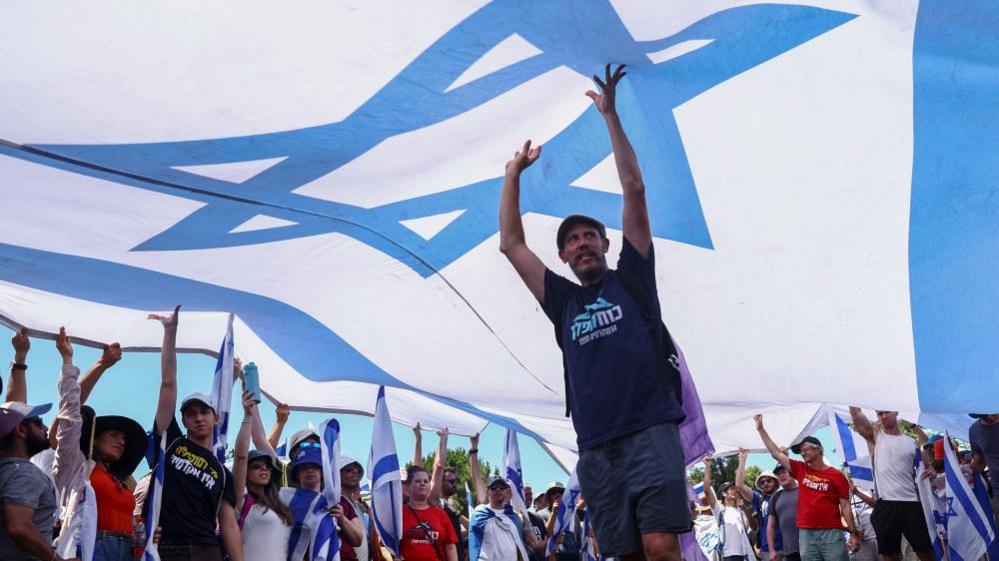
point(583, 40)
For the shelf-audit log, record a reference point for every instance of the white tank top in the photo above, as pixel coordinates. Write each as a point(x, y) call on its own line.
point(265, 535)
point(894, 457)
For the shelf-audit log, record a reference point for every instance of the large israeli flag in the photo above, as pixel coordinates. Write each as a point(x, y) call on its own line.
point(222, 393)
point(818, 176)
point(386, 483)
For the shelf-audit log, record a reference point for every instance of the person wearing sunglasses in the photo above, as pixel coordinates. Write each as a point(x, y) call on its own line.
point(266, 521)
point(495, 531)
point(823, 499)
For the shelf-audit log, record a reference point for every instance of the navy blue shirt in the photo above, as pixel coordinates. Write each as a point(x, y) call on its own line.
point(617, 381)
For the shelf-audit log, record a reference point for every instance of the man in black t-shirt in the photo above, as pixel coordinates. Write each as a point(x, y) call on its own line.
point(621, 369)
point(198, 492)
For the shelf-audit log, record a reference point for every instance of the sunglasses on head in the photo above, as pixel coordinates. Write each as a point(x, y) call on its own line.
point(308, 444)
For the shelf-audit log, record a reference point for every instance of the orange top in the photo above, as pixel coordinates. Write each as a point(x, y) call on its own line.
point(115, 502)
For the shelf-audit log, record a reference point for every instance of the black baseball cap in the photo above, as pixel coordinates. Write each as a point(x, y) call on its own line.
point(808, 439)
point(778, 468)
point(574, 220)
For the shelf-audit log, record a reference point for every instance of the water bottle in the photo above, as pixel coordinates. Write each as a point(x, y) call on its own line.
point(251, 381)
point(139, 539)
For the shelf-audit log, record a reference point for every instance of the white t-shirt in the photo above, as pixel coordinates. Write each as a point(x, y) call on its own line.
point(894, 457)
point(499, 542)
point(265, 535)
point(732, 527)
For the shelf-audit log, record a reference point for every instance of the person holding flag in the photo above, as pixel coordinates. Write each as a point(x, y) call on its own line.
point(622, 370)
point(197, 493)
point(897, 511)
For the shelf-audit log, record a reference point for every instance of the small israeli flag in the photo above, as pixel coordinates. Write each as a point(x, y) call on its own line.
point(222, 394)
point(969, 531)
point(512, 471)
point(566, 513)
point(154, 502)
point(386, 483)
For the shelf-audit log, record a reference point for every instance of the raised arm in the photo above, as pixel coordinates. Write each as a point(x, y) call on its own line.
point(282, 411)
point(418, 449)
point(437, 477)
point(473, 465)
point(921, 435)
point(775, 451)
point(168, 364)
point(635, 220)
point(740, 476)
point(862, 424)
point(68, 455)
point(109, 357)
point(242, 452)
point(17, 386)
point(513, 244)
point(709, 492)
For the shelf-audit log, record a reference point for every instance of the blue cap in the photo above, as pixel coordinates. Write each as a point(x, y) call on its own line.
point(306, 456)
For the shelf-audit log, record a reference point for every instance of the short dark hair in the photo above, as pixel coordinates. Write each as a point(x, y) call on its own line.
point(411, 471)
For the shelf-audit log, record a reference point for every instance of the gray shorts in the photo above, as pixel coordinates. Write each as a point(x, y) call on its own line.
point(635, 485)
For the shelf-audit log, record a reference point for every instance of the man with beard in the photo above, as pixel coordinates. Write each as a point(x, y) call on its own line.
point(621, 371)
point(449, 486)
point(897, 511)
point(783, 513)
point(27, 496)
point(759, 501)
point(823, 499)
point(351, 473)
point(198, 492)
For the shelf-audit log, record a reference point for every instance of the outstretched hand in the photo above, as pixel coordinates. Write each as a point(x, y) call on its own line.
point(759, 421)
point(604, 101)
point(110, 356)
point(743, 453)
point(21, 344)
point(168, 321)
point(523, 158)
point(282, 411)
point(65, 346)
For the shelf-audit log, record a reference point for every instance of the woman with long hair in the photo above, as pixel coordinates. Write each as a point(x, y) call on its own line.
point(427, 531)
point(100, 453)
point(265, 520)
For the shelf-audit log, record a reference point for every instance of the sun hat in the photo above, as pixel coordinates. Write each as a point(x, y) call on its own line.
point(301, 435)
point(304, 457)
point(769, 474)
point(197, 397)
point(136, 440)
point(344, 461)
point(257, 454)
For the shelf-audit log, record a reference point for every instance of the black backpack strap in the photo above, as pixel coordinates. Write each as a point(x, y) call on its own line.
point(663, 340)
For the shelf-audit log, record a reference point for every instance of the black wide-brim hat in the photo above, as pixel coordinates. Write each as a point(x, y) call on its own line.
point(135, 439)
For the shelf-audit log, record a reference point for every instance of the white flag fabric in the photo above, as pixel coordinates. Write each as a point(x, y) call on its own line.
point(818, 174)
point(386, 481)
point(969, 531)
point(222, 393)
point(512, 471)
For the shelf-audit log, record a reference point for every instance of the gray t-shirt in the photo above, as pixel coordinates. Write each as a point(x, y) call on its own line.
point(985, 441)
point(784, 505)
point(23, 484)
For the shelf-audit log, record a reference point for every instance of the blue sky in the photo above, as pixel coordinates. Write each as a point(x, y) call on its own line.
point(130, 389)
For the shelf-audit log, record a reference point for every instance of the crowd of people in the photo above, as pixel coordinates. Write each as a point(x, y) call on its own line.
point(809, 510)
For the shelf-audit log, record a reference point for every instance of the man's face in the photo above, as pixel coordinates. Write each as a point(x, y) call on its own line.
point(810, 452)
point(36, 435)
point(785, 478)
point(889, 419)
point(767, 484)
point(350, 475)
point(990, 419)
point(539, 502)
point(199, 420)
point(528, 495)
point(310, 476)
point(450, 483)
point(553, 495)
point(585, 253)
point(497, 492)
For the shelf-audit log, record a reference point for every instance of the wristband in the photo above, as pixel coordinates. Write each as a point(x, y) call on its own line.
point(18, 366)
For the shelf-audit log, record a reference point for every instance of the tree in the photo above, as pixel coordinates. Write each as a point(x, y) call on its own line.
point(724, 470)
point(458, 459)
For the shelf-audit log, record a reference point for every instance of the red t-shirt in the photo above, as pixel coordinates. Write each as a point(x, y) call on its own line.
point(424, 531)
point(115, 502)
point(818, 496)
